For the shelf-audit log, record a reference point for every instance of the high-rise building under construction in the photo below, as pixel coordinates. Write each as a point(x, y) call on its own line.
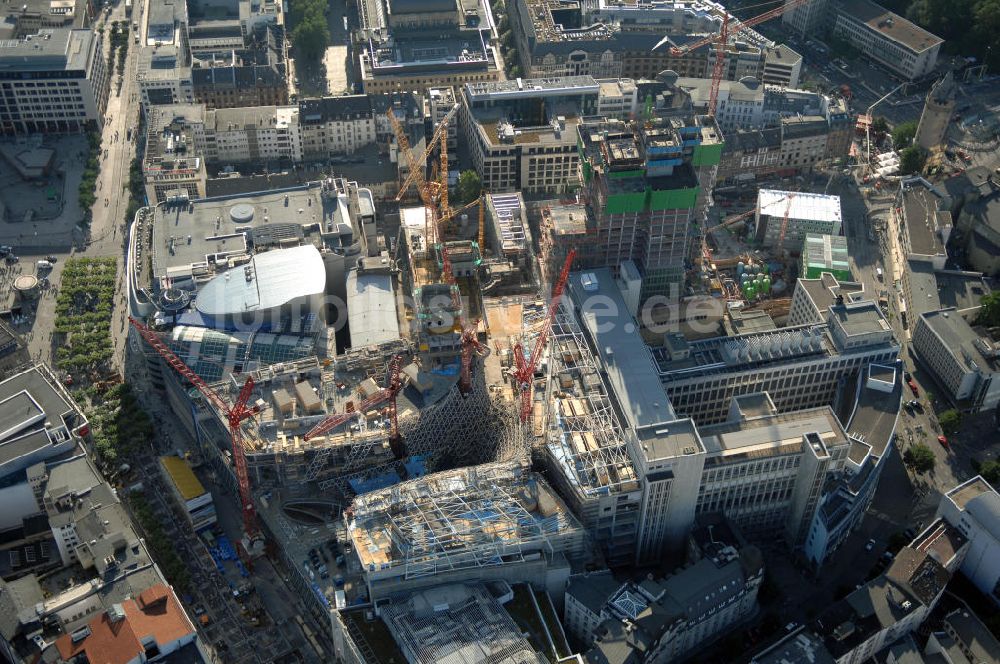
point(645, 185)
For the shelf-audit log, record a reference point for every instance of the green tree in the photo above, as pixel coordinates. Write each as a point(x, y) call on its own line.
point(902, 134)
point(990, 470)
point(989, 313)
point(880, 125)
point(912, 160)
point(949, 421)
point(920, 458)
point(311, 36)
point(469, 186)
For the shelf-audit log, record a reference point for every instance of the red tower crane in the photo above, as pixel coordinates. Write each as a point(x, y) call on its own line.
point(470, 345)
point(730, 26)
point(387, 394)
point(235, 416)
point(525, 370)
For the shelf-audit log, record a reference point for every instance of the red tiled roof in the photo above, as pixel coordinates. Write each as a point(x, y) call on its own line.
point(121, 641)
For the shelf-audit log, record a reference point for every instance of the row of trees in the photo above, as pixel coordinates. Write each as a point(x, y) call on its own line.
point(507, 47)
point(83, 314)
point(87, 191)
point(311, 34)
point(160, 545)
point(119, 426)
point(969, 27)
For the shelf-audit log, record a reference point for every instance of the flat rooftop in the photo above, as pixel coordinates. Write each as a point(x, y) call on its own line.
point(857, 318)
point(204, 229)
point(890, 25)
point(773, 434)
point(965, 344)
point(920, 210)
point(963, 493)
point(518, 87)
point(799, 205)
point(371, 308)
point(669, 440)
point(51, 49)
point(824, 290)
point(875, 411)
point(37, 418)
point(626, 359)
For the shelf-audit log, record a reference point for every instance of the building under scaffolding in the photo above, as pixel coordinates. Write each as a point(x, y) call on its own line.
point(494, 521)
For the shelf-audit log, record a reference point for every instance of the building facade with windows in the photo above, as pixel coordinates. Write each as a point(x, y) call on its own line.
point(962, 359)
point(56, 81)
point(886, 38)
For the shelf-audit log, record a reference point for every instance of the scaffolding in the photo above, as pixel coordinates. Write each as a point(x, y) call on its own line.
point(480, 516)
point(584, 437)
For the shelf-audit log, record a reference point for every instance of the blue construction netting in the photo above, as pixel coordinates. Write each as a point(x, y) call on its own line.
point(321, 596)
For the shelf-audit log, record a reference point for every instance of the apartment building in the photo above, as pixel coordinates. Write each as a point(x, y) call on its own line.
point(799, 367)
point(963, 360)
point(885, 609)
point(56, 81)
point(173, 164)
point(805, 213)
point(886, 38)
point(256, 134)
point(645, 185)
point(750, 154)
point(664, 620)
point(335, 125)
point(813, 297)
point(440, 102)
point(919, 227)
point(804, 142)
point(973, 508)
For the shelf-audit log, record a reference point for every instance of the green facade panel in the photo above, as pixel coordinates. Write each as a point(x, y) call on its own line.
point(637, 173)
point(673, 199)
point(707, 155)
point(625, 203)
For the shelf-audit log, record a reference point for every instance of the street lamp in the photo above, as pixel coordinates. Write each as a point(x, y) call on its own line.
point(868, 128)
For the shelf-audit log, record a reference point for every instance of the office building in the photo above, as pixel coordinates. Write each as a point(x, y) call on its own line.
point(799, 367)
point(788, 216)
point(782, 67)
point(41, 421)
point(28, 18)
point(936, 116)
point(645, 185)
point(664, 620)
point(612, 40)
point(964, 639)
point(886, 38)
point(173, 165)
point(163, 72)
point(813, 297)
point(56, 81)
point(195, 502)
point(973, 508)
point(423, 44)
point(871, 429)
point(963, 360)
point(523, 134)
point(823, 253)
point(807, 19)
point(979, 219)
point(765, 470)
point(446, 527)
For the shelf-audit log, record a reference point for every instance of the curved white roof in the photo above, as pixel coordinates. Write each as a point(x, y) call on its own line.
point(269, 280)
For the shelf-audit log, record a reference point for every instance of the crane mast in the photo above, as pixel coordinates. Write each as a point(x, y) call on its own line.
point(235, 415)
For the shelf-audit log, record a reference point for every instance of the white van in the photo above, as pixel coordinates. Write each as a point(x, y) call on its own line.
point(878, 273)
point(44, 265)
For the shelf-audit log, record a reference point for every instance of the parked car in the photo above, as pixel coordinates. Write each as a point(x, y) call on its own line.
point(870, 544)
point(916, 405)
point(51, 259)
point(913, 387)
point(944, 442)
point(11, 259)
